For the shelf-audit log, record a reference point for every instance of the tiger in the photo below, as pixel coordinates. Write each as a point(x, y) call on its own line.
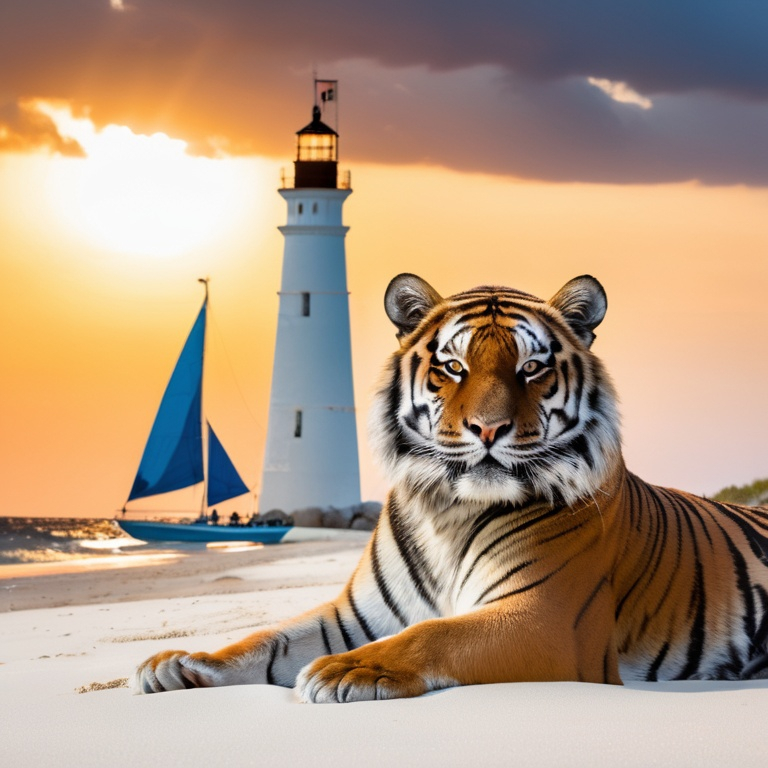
point(514, 544)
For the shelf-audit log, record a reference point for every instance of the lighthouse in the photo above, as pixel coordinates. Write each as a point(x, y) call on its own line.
point(311, 456)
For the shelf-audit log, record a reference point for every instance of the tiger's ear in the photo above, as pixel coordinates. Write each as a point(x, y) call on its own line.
point(407, 301)
point(582, 302)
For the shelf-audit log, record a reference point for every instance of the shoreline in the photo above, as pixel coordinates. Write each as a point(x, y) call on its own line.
point(184, 573)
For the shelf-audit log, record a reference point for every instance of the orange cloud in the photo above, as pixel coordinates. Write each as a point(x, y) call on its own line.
point(24, 128)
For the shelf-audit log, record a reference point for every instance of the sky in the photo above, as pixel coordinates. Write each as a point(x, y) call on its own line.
point(141, 145)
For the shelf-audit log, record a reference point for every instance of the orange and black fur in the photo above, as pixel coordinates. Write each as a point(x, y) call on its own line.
point(514, 545)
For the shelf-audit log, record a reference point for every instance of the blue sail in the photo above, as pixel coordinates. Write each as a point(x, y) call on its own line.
point(223, 480)
point(173, 456)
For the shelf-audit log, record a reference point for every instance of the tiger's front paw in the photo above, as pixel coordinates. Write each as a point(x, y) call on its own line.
point(357, 676)
point(175, 670)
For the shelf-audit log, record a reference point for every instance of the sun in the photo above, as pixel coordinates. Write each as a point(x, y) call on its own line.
point(138, 194)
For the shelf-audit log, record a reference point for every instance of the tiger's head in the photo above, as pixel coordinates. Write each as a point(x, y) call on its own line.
point(494, 395)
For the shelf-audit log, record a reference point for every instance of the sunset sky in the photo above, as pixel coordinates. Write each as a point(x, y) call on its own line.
point(493, 141)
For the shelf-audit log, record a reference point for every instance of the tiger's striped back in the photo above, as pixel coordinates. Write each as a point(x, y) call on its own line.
point(691, 586)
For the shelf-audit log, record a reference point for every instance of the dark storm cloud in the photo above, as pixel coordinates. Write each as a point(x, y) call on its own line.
point(485, 119)
point(492, 85)
point(656, 45)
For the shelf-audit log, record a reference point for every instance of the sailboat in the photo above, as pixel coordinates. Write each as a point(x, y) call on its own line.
point(173, 456)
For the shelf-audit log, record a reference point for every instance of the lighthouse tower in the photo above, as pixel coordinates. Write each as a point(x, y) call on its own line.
point(311, 455)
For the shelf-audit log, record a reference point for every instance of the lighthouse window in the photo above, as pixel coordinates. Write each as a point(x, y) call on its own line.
point(305, 304)
point(301, 208)
point(297, 428)
point(314, 207)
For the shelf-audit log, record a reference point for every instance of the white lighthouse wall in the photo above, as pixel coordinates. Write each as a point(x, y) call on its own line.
point(311, 454)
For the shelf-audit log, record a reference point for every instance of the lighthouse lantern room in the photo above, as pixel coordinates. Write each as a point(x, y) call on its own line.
point(316, 154)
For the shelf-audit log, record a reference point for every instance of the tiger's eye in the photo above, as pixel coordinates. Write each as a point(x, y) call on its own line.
point(454, 366)
point(532, 366)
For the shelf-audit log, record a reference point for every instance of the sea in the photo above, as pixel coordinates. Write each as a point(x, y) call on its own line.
point(60, 540)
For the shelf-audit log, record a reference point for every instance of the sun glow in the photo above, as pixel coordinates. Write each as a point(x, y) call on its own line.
point(139, 194)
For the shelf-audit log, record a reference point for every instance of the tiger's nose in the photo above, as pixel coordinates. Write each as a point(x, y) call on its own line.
point(488, 433)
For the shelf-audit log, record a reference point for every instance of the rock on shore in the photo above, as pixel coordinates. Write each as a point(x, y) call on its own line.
point(360, 517)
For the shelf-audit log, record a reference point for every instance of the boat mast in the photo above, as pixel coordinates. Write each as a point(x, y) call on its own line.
point(203, 508)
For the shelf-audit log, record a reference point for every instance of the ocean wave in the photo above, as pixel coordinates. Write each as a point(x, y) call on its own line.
point(112, 544)
point(47, 540)
point(13, 556)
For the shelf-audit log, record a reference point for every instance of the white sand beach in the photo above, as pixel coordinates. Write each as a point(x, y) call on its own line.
point(70, 638)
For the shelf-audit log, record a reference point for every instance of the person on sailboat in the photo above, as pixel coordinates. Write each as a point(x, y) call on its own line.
point(234, 519)
point(214, 517)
